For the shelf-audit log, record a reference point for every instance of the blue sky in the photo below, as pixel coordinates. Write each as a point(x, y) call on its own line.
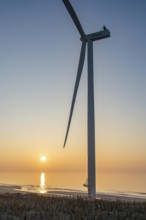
point(39, 52)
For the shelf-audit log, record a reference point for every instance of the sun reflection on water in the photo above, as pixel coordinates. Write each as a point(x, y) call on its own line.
point(42, 183)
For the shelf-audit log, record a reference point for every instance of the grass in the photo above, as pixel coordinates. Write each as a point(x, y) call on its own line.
point(39, 207)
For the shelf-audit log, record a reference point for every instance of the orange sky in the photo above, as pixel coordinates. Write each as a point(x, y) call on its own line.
point(39, 55)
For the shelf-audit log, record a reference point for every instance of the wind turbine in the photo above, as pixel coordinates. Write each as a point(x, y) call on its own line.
point(86, 39)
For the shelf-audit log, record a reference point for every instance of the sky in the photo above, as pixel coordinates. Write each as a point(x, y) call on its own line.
point(39, 53)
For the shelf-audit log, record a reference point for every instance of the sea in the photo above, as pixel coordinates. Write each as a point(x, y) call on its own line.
point(105, 182)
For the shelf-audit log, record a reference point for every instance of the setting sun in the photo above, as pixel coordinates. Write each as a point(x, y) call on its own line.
point(43, 158)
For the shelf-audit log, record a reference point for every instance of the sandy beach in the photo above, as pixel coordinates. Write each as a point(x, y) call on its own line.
point(62, 192)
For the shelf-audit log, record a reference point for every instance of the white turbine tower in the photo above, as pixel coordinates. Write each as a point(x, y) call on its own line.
point(86, 39)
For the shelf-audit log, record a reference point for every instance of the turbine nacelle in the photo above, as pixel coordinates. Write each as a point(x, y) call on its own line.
point(96, 36)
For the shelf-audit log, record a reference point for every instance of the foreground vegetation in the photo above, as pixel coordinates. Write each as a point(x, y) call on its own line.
point(38, 207)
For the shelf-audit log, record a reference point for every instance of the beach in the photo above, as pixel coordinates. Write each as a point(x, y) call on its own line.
point(63, 192)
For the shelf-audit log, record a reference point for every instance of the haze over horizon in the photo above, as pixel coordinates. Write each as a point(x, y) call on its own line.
point(39, 53)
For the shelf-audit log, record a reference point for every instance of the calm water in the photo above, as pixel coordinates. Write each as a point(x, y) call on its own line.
point(104, 181)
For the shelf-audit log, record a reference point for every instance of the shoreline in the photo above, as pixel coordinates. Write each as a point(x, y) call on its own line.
point(63, 192)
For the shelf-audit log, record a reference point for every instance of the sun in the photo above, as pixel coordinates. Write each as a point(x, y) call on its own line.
point(43, 158)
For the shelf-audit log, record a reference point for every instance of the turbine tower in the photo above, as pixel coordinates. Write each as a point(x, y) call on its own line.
point(86, 39)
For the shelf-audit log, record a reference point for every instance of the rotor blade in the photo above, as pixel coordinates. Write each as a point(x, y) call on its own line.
point(74, 17)
point(79, 72)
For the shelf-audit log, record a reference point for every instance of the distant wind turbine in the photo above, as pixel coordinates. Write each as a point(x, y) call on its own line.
point(86, 39)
